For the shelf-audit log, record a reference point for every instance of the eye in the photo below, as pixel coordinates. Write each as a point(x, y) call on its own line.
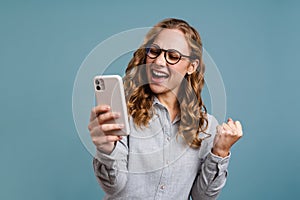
point(173, 55)
point(154, 50)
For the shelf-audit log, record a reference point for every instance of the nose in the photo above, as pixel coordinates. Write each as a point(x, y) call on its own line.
point(160, 60)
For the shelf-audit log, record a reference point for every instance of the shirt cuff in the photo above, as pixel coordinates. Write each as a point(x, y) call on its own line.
point(109, 159)
point(222, 163)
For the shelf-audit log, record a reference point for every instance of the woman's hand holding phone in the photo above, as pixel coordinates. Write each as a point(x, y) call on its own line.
point(102, 134)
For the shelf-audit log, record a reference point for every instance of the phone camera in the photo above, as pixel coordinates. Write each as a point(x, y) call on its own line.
point(99, 83)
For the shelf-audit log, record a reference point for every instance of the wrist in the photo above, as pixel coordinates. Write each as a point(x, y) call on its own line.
point(107, 149)
point(220, 152)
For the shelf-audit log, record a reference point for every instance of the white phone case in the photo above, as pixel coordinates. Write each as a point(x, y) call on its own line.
point(109, 90)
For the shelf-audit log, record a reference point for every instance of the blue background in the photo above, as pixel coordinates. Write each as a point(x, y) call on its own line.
point(42, 45)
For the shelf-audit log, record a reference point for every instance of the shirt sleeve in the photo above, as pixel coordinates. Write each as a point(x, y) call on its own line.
point(212, 173)
point(111, 169)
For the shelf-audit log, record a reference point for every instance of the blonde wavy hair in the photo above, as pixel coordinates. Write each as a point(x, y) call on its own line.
point(140, 97)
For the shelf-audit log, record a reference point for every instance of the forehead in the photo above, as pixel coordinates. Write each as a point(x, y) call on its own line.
point(172, 39)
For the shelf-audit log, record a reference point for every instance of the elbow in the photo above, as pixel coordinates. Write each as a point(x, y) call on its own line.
point(111, 181)
point(115, 184)
point(214, 189)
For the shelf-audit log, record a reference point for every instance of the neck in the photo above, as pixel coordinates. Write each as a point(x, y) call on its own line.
point(169, 100)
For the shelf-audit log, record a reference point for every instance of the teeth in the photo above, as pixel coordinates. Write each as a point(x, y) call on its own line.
point(156, 73)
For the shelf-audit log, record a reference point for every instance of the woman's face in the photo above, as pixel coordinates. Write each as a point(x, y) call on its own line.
point(162, 76)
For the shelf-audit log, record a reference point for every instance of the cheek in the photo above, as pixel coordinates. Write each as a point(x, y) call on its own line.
point(179, 70)
point(149, 60)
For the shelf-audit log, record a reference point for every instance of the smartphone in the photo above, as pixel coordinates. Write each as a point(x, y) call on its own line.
point(109, 90)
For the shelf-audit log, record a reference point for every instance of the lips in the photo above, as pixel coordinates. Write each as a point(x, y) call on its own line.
point(157, 74)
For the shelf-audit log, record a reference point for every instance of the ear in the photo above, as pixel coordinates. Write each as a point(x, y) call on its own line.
point(192, 67)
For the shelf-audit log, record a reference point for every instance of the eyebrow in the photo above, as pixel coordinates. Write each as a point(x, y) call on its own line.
point(170, 49)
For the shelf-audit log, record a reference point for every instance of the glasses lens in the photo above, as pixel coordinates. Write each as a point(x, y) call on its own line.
point(153, 51)
point(173, 56)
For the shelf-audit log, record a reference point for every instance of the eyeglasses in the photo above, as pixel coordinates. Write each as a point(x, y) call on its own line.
point(172, 56)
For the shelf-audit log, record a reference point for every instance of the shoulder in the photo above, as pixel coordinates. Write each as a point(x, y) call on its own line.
point(207, 143)
point(212, 122)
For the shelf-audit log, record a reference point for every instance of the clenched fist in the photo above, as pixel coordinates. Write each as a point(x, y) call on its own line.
point(227, 134)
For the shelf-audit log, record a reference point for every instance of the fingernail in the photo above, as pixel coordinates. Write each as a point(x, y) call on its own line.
point(121, 125)
point(107, 107)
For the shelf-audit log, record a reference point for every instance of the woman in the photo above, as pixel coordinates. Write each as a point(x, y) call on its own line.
point(175, 149)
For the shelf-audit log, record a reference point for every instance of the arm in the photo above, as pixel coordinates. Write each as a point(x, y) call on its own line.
point(111, 169)
point(213, 172)
point(211, 177)
point(110, 162)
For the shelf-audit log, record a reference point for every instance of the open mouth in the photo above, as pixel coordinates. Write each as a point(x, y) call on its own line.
point(159, 74)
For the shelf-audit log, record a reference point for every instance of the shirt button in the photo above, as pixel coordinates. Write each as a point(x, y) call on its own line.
point(168, 138)
point(162, 187)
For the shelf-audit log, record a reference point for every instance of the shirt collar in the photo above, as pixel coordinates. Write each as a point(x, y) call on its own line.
point(157, 102)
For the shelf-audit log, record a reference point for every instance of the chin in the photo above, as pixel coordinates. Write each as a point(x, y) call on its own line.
point(158, 89)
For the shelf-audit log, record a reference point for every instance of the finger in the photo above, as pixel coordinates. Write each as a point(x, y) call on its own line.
point(111, 127)
point(107, 116)
point(96, 131)
point(229, 119)
point(228, 130)
point(231, 124)
point(226, 126)
point(102, 108)
point(239, 126)
point(111, 138)
point(105, 129)
point(93, 124)
point(106, 139)
point(98, 110)
point(219, 129)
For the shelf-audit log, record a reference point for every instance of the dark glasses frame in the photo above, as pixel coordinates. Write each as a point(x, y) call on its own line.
point(165, 54)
